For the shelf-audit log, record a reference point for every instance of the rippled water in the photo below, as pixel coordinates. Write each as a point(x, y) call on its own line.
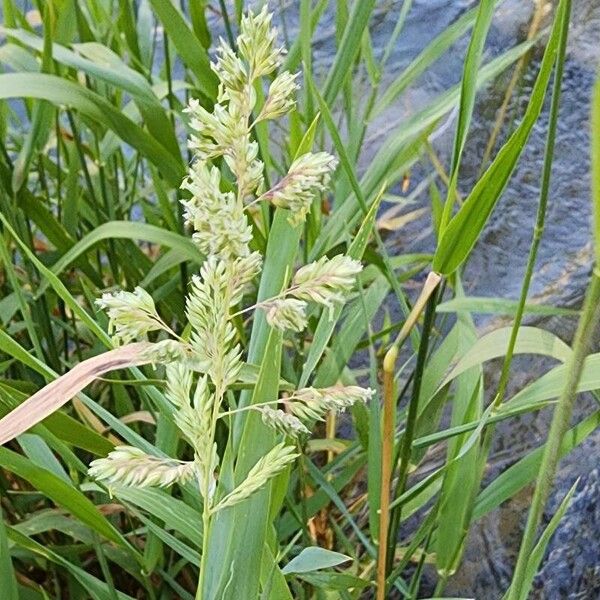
point(497, 265)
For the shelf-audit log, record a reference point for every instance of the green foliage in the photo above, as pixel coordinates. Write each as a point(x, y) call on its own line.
point(92, 155)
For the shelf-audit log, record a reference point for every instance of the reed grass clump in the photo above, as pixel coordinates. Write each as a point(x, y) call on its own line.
point(211, 302)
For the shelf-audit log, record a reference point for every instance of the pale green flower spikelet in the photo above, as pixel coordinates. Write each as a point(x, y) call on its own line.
point(130, 466)
point(286, 313)
point(308, 175)
point(213, 334)
point(282, 422)
point(193, 419)
point(267, 467)
point(221, 227)
point(231, 70)
point(257, 44)
point(243, 271)
point(197, 423)
point(280, 99)
point(131, 314)
point(179, 383)
point(326, 281)
point(313, 403)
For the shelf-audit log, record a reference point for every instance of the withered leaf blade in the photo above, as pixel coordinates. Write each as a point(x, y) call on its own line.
point(57, 393)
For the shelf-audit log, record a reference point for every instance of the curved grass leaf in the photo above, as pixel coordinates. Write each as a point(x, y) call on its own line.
point(348, 50)
point(102, 63)
point(526, 470)
point(463, 231)
point(8, 582)
point(187, 44)
point(66, 93)
point(530, 340)
point(63, 494)
point(50, 398)
point(97, 589)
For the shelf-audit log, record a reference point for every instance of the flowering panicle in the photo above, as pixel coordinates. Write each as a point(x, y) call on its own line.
point(257, 44)
point(280, 99)
point(126, 465)
point(308, 175)
point(200, 372)
point(326, 281)
point(286, 313)
point(131, 314)
point(313, 403)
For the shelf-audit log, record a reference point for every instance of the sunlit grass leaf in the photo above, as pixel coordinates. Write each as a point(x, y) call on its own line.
point(50, 398)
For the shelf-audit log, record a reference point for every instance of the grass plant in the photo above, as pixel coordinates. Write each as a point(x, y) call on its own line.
point(196, 282)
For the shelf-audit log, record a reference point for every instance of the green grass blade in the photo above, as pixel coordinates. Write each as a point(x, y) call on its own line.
point(8, 582)
point(468, 90)
point(522, 473)
point(187, 44)
point(62, 494)
point(66, 93)
point(348, 50)
point(540, 548)
point(434, 50)
point(96, 588)
point(463, 231)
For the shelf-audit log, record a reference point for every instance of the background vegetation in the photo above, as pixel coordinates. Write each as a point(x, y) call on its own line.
point(92, 154)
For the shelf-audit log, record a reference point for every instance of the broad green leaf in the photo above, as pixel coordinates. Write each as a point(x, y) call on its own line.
point(548, 386)
point(457, 493)
point(530, 340)
point(314, 558)
point(255, 439)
